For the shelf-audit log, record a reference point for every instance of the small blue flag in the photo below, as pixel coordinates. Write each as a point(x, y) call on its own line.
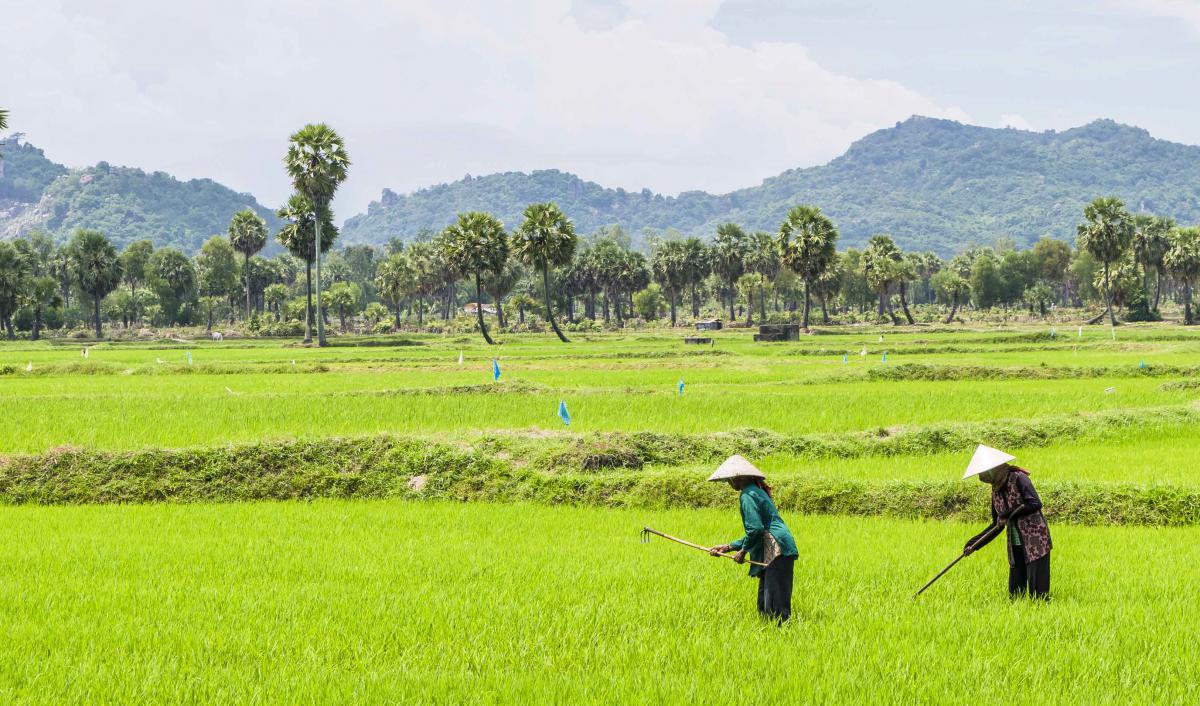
point(843, 359)
point(495, 369)
point(562, 412)
point(681, 386)
point(885, 356)
point(189, 357)
point(1142, 365)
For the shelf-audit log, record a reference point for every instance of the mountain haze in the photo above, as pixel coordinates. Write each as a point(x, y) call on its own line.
point(933, 184)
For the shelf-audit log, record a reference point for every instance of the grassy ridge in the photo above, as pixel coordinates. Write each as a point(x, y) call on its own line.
point(597, 469)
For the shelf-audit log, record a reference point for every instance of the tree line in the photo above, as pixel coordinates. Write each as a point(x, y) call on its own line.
point(1132, 263)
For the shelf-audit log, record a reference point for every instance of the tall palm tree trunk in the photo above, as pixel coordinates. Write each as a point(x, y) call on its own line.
point(732, 296)
point(1108, 295)
point(320, 311)
point(308, 307)
point(807, 304)
point(549, 310)
point(37, 323)
point(953, 309)
point(1158, 278)
point(904, 303)
point(246, 274)
point(479, 311)
point(1187, 303)
point(96, 313)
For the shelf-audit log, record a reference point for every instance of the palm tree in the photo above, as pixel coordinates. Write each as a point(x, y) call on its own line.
point(42, 293)
point(476, 244)
point(729, 255)
point(1183, 261)
point(907, 270)
point(14, 284)
point(274, 296)
point(247, 235)
point(1106, 235)
point(344, 297)
point(879, 265)
point(3, 119)
point(299, 236)
point(316, 161)
point(95, 267)
point(808, 245)
point(133, 270)
point(546, 239)
point(1151, 240)
point(395, 279)
point(697, 264)
point(670, 268)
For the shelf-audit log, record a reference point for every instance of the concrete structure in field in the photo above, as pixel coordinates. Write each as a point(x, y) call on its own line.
point(778, 332)
point(710, 325)
point(472, 307)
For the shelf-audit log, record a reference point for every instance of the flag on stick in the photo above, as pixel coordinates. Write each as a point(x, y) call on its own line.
point(460, 359)
point(495, 369)
point(562, 412)
point(681, 386)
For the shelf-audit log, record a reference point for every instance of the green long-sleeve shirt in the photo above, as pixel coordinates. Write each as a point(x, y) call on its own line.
point(759, 515)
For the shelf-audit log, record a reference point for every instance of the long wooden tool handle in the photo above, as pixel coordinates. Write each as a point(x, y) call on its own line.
point(940, 574)
point(990, 533)
point(686, 543)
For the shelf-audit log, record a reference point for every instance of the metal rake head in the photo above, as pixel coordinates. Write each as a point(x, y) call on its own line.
point(645, 535)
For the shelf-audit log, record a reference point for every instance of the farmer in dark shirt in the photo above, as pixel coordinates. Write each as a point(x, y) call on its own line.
point(1017, 507)
point(768, 540)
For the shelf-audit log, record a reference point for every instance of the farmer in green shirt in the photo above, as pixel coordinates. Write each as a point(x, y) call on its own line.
point(767, 539)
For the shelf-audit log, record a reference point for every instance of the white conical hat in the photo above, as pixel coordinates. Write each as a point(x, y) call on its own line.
point(985, 459)
point(734, 467)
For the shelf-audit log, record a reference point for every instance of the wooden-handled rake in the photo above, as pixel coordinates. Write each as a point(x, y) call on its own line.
point(647, 531)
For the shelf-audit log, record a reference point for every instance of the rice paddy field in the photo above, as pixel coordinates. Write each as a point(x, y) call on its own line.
point(407, 596)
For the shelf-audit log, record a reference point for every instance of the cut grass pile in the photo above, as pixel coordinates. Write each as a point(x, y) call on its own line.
point(389, 602)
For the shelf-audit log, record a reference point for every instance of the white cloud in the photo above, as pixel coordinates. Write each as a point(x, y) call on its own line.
point(644, 94)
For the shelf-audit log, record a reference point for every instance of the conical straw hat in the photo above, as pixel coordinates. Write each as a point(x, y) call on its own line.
point(735, 466)
point(985, 459)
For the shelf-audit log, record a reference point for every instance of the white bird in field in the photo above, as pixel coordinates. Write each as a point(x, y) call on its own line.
point(863, 352)
point(159, 361)
point(293, 362)
point(230, 391)
point(29, 367)
point(85, 353)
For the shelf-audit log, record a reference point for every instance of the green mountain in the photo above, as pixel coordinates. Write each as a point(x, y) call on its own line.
point(933, 184)
point(127, 204)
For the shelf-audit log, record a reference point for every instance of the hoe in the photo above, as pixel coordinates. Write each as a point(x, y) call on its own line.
point(646, 532)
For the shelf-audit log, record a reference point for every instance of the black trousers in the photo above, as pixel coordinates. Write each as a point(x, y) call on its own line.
point(775, 589)
point(1031, 578)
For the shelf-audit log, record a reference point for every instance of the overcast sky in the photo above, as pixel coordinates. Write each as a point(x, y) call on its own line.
point(672, 95)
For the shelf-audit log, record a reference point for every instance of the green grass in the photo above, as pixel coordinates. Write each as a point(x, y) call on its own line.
point(388, 602)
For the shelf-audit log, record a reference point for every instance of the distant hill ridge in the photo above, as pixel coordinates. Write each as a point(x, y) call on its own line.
point(126, 203)
point(933, 184)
